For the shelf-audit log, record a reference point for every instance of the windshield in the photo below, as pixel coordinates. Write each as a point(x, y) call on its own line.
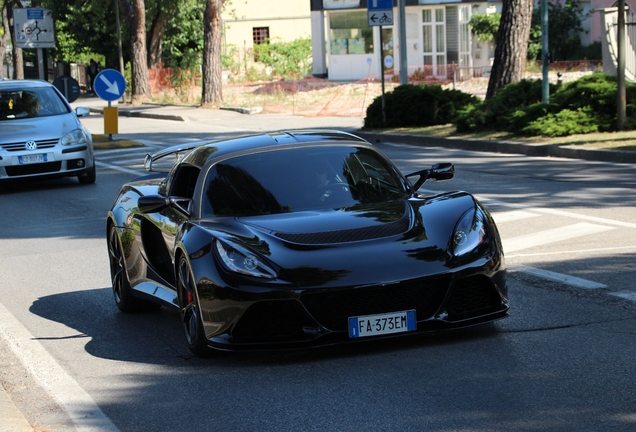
point(299, 180)
point(29, 103)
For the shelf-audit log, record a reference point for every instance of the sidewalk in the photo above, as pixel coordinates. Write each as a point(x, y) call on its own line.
point(272, 122)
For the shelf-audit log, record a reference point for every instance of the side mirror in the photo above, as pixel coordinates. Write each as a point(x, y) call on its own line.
point(156, 203)
point(441, 171)
point(152, 203)
point(82, 111)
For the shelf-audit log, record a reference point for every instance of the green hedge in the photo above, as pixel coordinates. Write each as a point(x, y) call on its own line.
point(582, 106)
point(416, 106)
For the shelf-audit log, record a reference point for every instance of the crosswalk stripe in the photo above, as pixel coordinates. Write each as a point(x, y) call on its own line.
point(118, 168)
point(552, 236)
point(627, 295)
point(511, 216)
point(492, 202)
point(559, 277)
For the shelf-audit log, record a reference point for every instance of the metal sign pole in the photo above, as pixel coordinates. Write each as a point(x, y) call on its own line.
point(382, 77)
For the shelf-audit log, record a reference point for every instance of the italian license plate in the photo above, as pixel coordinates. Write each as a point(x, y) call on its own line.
point(380, 324)
point(29, 159)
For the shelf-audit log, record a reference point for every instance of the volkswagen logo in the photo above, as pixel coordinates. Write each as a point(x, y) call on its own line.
point(31, 145)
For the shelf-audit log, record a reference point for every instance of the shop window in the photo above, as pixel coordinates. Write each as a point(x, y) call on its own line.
point(350, 33)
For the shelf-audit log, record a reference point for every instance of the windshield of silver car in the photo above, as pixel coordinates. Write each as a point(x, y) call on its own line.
point(29, 103)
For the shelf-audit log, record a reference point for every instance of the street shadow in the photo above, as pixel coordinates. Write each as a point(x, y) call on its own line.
point(512, 179)
point(157, 337)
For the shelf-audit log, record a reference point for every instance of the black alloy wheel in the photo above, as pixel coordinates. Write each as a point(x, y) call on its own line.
point(190, 310)
point(122, 291)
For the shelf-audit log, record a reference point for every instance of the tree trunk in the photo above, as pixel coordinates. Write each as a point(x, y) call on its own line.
point(18, 62)
point(135, 16)
point(512, 45)
point(6, 37)
point(155, 37)
point(212, 25)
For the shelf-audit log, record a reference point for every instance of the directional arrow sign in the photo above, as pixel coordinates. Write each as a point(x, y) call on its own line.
point(380, 12)
point(109, 84)
point(380, 18)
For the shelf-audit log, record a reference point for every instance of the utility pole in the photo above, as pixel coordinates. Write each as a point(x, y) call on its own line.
point(620, 70)
point(545, 84)
point(404, 72)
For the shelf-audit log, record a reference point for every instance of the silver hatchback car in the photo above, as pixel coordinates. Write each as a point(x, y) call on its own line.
point(40, 134)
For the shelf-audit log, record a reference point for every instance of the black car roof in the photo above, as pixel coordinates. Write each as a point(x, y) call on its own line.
point(216, 149)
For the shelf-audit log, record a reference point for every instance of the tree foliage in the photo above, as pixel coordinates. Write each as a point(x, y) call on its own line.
point(564, 27)
point(485, 26)
point(287, 59)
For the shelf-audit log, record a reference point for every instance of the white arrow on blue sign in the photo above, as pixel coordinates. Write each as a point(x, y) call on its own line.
point(109, 84)
point(379, 4)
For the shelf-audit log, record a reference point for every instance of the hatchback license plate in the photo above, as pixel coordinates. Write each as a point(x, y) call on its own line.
point(29, 159)
point(380, 324)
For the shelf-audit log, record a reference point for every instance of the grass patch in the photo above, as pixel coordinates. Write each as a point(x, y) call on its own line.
point(625, 141)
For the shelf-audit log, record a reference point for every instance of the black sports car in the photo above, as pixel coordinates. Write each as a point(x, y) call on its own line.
point(299, 239)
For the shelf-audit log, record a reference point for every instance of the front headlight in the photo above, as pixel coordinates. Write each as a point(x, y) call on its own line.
point(75, 137)
point(470, 232)
point(239, 260)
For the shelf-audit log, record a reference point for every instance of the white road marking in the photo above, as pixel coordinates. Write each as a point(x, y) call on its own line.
point(560, 213)
point(117, 168)
point(616, 249)
point(552, 236)
point(78, 404)
point(558, 277)
point(627, 295)
point(511, 216)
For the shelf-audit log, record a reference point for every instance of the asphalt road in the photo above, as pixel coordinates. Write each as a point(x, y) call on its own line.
point(563, 360)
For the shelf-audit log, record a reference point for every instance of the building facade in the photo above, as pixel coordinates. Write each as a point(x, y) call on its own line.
point(249, 22)
point(346, 48)
point(437, 36)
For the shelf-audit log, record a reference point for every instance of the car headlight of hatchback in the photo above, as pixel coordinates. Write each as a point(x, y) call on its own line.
point(470, 232)
point(239, 260)
point(75, 137)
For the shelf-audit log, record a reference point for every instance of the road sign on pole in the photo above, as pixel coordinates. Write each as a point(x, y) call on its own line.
point(379, 4)
point(109, 85)
point(380, 12)
point(34, 28)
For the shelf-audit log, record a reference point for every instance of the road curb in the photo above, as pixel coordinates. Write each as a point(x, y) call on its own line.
point(129, 113)
point(493, 146)
point(12, 418)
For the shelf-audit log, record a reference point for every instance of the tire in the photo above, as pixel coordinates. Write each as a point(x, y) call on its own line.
point(89, 176)
point(122, 291)
point(190, 311)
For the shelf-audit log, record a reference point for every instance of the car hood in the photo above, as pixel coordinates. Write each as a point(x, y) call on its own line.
point(366, 244)
point(38, 128)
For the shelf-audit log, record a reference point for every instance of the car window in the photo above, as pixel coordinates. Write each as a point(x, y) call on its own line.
point(309, 178)
point(29, 103)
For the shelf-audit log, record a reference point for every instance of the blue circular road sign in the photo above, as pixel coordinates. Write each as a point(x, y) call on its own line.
point(109, 84)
